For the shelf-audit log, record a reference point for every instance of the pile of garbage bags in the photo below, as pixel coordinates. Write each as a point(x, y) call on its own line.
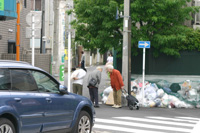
point(162, 93)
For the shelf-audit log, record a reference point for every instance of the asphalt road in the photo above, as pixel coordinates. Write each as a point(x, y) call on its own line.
point(146, 120)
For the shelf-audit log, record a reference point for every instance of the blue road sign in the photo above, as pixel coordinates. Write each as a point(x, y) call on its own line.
point(144, 44)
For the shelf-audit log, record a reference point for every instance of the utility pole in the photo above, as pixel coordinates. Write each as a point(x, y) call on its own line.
point(58, 44)
point(126, 67)
point(18, 33)
point(55, 66)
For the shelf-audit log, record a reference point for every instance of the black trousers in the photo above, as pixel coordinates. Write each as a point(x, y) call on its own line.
point(94, 95)
point(83, 64)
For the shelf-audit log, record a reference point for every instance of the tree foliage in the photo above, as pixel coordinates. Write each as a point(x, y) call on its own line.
point(158, 21)
point(96, 26)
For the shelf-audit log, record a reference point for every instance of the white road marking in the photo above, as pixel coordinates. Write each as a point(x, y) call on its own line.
point(155, 121)
point(123, 129)
point(189, 118)
point(136, 124)
point(196, 128)
point(172, 119)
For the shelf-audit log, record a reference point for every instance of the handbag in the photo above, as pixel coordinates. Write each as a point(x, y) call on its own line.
point(92, 82)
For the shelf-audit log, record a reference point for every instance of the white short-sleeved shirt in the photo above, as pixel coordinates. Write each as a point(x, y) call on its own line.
point(110, 59)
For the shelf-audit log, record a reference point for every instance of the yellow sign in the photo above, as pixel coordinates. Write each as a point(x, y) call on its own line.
point(66, 54)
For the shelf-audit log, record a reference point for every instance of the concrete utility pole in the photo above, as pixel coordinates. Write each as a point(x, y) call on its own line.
point(58, 44)
point(126, 67)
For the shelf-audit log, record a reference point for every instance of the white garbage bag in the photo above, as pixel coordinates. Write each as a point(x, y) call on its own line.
point(160, 93)
point(107, 91)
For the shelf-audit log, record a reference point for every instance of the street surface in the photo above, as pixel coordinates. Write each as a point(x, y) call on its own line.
point(146, 120)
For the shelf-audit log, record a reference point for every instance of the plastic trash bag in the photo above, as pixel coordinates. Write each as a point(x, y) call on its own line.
point(160, 93)
point(164, 83)
point(175, 87)
point(104, 99)
point(107, 91)
point(150, 93)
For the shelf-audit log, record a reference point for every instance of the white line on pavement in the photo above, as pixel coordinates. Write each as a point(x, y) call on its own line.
point(196, 129)
point(189, 118)
point(136, 124)
point(123, 129)
point(172, 119)
point(155, 121)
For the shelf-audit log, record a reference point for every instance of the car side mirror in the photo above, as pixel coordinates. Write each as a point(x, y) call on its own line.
point(63, 89)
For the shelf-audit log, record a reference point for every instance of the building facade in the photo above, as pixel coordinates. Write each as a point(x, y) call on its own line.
point(8, 37)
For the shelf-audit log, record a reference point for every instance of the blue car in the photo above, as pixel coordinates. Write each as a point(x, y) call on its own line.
point(32, 101)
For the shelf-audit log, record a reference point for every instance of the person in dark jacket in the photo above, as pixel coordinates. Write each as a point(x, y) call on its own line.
point(82, 60)
point(93, 90)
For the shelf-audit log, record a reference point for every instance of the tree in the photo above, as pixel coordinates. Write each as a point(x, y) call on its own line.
point(161, 22)
point(96, 26)
point(158, 21)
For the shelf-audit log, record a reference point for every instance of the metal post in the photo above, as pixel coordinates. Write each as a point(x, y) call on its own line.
point(143, 75)
point(33, 39)
point(69, 55)
point(126, 65)
point(18, 33)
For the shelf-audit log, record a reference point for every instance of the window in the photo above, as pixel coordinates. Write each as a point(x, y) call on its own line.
point(25, 3)
point(5, 83)
point(22, 81)
point(45, 83)
point(197, 15)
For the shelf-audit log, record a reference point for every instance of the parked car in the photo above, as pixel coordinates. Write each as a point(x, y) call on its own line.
point(32, 101)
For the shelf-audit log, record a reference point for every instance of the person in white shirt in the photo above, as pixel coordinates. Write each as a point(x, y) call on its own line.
point(77, 80)
point(110, 59)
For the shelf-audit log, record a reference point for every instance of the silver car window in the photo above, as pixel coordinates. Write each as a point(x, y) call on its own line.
point(44, 82)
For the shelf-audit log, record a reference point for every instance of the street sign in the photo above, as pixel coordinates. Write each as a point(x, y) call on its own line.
point(37, 19)
point(144, 44)
point(29, 32)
